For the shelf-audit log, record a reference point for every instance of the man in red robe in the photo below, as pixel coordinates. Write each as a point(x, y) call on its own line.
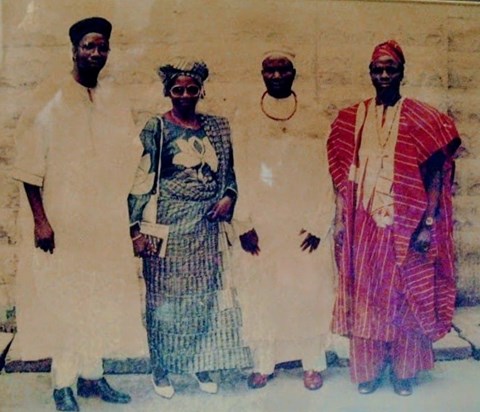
point(391, 161)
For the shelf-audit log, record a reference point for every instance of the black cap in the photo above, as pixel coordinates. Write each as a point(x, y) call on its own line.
point(90, 25)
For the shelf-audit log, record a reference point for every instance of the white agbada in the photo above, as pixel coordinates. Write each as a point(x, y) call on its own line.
point(284, 186)
point(85, 297)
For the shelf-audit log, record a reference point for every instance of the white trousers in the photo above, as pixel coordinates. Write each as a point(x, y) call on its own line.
point(311, 352)
point(67, 367)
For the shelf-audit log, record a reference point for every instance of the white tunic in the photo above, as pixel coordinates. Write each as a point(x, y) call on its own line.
point(85, 297)
point(377, 151)
point(284, 187)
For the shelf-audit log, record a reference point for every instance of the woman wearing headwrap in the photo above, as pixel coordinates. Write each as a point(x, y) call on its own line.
point(186, 177)
point(391, 161)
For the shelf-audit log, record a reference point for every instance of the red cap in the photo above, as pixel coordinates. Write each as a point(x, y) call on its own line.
point(391, 49)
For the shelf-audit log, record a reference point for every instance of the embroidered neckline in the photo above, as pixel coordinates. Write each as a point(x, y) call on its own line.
point(378, 129)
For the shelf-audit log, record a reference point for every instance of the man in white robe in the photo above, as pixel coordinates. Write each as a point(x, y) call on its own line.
point(78, 297)
point(283, 216)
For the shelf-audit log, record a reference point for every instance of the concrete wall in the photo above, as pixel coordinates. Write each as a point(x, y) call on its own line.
point(333, 41)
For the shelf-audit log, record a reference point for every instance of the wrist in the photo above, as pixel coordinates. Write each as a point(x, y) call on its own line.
point(40, 220)
point(136, 237)
point(134, 230)
point(231, 194)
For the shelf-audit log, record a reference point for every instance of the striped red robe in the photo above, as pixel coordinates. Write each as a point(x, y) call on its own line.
point(428, 291)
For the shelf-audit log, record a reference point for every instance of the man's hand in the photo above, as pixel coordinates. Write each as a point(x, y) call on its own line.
point(44, 236)
point(221, 209)
point(310, 242)
point(421, 240)
point(249, 242)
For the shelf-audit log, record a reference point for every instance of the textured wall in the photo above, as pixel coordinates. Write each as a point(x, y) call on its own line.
point(333, 41)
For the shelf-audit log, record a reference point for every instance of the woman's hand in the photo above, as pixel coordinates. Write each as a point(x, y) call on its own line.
point(221, 209)
point(142, 247)
point(310, 242)
point(249, 242)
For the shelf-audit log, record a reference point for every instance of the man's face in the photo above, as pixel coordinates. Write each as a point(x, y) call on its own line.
point(386, 74)
point(91, 53)
point(278, 74)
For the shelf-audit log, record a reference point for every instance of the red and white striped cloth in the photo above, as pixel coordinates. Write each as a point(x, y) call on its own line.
point(387, 292)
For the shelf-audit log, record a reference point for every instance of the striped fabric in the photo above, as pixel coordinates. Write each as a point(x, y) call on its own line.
point(193, 317)
point(409, 354)
point(189, 330)
point(387, 290)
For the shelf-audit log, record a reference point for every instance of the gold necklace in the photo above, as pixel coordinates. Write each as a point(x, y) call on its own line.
point(379, 132)
point(281, 119)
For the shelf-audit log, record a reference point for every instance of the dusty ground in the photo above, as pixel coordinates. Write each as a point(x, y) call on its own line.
point(453, 386)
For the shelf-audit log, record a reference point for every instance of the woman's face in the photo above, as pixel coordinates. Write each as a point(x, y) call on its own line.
point(185, 93)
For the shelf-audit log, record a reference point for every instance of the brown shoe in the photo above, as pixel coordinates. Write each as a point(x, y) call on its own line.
point(258, 380)
point(312, 380)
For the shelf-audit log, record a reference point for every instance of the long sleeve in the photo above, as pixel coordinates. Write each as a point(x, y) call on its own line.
point(230, 178)
point(231, 188)
point(31, 143)
point(242, 219)
point(140, 193)
point(320, 222)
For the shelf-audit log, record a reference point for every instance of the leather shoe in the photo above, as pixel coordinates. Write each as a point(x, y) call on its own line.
point(258, 380)
point(101, 389)
point(312, 380)
point(65, 400)
point(368, 387)
point(402, 387)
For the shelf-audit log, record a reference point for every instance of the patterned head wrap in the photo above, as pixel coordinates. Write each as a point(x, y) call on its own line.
point(391, 49)
point(196, 69)
point(90, 25)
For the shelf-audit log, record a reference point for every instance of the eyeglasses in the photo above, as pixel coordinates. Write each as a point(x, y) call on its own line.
point(389, 69)
point(179, 91)
point(90, 47)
